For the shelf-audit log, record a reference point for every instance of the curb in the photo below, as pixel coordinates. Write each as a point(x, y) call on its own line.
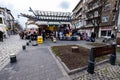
point(66, 76)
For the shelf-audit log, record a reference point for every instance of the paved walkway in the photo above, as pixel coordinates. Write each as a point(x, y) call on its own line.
point(13, 44)
point(39, 63)
point(33, 64)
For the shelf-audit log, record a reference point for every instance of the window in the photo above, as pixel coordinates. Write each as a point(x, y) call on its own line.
point(105, 18)
point(109, 33)
point(96, 13)
point(106, 33)
point(95, 4)
point(0, 20)
point(107, 7)
point(103, 33)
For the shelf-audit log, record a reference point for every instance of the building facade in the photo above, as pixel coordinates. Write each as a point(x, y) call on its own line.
point(99, 16)
point(78, 16)
point(6, 20)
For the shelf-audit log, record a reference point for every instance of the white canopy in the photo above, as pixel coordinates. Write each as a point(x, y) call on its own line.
point(32, 26)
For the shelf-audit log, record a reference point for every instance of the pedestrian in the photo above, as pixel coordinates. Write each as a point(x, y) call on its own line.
point(21, 34)
point(34, 39)
point(93, 36)
point(44, 34)
point(1, 36)
point(8, 32)
point(112, 36)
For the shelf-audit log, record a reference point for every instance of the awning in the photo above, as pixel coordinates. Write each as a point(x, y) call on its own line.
point(1, 29)
point(65, 22)
point(54, 23)
point(42, 22)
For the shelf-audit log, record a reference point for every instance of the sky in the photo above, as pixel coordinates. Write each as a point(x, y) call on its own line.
point(22, 6)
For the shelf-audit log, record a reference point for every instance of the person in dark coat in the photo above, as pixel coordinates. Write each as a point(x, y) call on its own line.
point(112, 36)
point(22, 34)
point(34, 39)
point(1, 36)
point(93, 36)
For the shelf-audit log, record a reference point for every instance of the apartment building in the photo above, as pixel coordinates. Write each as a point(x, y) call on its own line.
point(6, 20)
point(78, 16)
point(101, 15)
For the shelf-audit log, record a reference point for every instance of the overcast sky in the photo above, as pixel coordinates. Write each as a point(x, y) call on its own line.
point(22, 6)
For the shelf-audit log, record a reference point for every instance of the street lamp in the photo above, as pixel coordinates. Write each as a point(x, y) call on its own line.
point(116, 19)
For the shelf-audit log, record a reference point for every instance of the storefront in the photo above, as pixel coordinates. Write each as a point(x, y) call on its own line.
point(89, 30)
point(105, 31)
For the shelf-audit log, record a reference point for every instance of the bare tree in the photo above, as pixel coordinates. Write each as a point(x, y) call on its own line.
point(96, 21)
point(18, 26)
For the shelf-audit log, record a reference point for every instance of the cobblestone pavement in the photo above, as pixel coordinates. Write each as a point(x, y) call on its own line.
point(108, 72)
point(11, 45)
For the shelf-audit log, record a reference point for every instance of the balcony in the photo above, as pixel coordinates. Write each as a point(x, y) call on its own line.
point(91, 17)
point(89, 1)
point(93, 8)
point(89, 25)
point(80, 14)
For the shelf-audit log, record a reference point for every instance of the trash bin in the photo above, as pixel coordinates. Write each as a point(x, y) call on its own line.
point(13, 58)
point(40, 39)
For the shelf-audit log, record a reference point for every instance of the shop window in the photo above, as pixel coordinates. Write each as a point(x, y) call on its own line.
point(106, 33)
point(0, 20)
point(109, 33)
point(103, 33)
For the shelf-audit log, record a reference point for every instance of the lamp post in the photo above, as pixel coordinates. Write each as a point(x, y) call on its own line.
point(116, 18)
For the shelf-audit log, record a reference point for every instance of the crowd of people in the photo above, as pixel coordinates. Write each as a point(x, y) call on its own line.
point(30, 35)
point(61, 34)
point(73, 35)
